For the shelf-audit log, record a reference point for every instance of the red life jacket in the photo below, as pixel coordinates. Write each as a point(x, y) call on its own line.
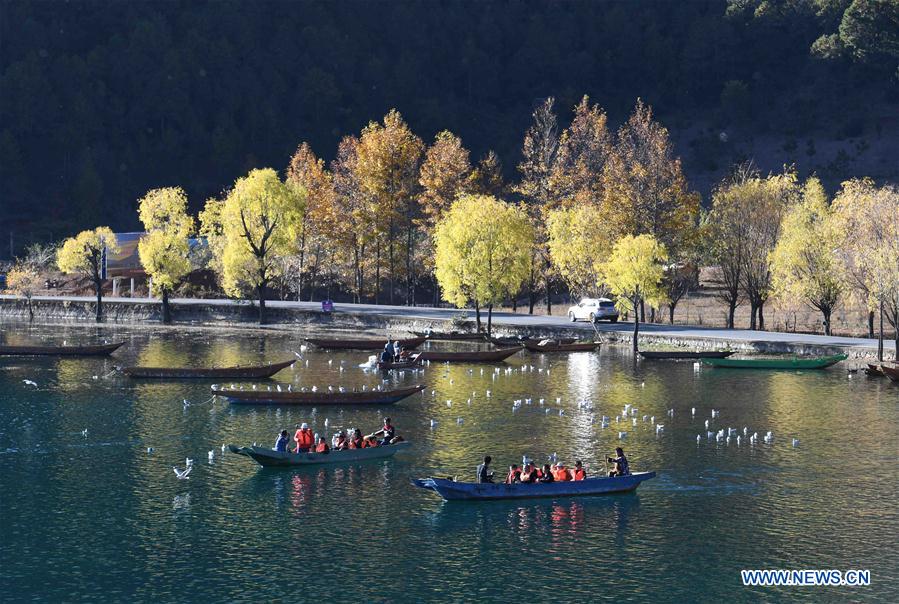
point(580, 474)
point(304, 439)
point(321, 447)
point(357, 443)
point(562, 474)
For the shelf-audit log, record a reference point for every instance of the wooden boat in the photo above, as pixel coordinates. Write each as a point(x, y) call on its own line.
point(319, 398)
point(891, 372)
point(400, 365)
point(452, 490)
point(480, 356)
point(238, 372)
point(452, 336)
point(94, 350)
point(874, 371)
point(781, 363)
point(524, 341)
point(556, 347)
point(407, 343)
point(686, 354)
point(270, 458)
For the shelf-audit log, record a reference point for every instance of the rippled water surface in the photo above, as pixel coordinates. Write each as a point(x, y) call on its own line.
point(96, 518)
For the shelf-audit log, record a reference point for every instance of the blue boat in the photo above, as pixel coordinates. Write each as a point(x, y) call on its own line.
point(452, 490)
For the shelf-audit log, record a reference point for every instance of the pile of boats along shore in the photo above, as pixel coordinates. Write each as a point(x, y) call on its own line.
point(447, 488)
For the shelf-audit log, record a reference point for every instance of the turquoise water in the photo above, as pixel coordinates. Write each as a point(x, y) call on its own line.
point(95, 517)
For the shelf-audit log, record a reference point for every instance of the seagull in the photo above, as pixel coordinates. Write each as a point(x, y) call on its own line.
point(211, 456)
point(460, 421)
point(182, 474)
point(188, 462)
point(795, 442)
point(698, 438)
point(660, 428)
point(186, 403)
point(693, 410)
point(433, 423)
point(449, 403)
point(223, 447)
point(706, 424)
point(635, 421)
point(622, 435)
point(84, 433)
point(29, 383)
point(278, 387)
point(150, 450)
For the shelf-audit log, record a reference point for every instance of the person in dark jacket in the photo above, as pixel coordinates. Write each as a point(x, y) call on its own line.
point(483, 471)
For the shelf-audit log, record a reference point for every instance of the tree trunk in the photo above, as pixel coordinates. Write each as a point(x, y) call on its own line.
point(642, 311)
point(549, 298)
point(489, 318)
point(671, 308)
point(638, 305)
point(514, 303)
point(761, 316)
point(477, 315)
point(871, 322)
point(166, 311)
point(31, 311)
point(826, 312)
point(98, 287)
point(731, 310)
point(378, 273)
point(880, 336)
point(752, 315)
point(261, 290)
point(532, 299)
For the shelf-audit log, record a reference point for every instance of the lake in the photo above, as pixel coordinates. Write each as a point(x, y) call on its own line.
point(94, 517)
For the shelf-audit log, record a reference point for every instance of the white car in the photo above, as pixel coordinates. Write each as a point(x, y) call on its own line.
point(593, 310)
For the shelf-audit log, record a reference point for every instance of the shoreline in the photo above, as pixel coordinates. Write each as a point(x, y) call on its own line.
point(295, 316)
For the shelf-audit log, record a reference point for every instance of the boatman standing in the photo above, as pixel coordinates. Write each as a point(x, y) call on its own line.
point(484, 473)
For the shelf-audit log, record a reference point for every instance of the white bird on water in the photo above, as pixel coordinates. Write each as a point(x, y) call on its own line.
point(706, 424)
point(211, 456)
point(183, 474)
point(84, 433)
point(29, 383)
point(433, 423)
point(795, 442)
point(622, 435)
point(223, 447)
point(698, 438)
point(460, 421)
point(278, 387)
point(692, 410)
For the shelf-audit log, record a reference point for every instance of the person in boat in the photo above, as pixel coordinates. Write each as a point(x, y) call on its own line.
point(529, 473)
point(405, 355)
point(622, 468)
point(397, 349)
point(514, 474)
point(320, 445)
point(304, 437)
point(561, 473)
point(356, 441)
point(387, 355)
point(579, 472)
point(387, 432)
point(547, 474)
point(283, 442)
point(484, 473)
point(342, 443)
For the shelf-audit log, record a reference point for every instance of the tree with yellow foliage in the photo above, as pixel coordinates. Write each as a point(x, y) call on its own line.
point(579, 239)
point(24, 280)
point(444, 175)
point(388, 157)
point(164, 250)
point(866, 219)
point(634, 273)
point(84, 254)
point(487, 177)
point(316, 242)
point(584, 148)
point(255, 224)
point(483, 252)
point(644, 187)
point(803, 263)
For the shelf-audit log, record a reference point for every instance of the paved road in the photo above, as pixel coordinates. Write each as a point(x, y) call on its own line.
point(526, 321)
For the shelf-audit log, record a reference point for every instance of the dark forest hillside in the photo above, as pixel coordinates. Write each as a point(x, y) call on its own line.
point(104, 100)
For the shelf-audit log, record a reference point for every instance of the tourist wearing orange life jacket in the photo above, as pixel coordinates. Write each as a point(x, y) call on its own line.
point(561, 473)
point(529, 473)
point(356, 441)
point(320, 445)
point(342, 443)
point(514, 474)
point(579, 472)
point(304, 437)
